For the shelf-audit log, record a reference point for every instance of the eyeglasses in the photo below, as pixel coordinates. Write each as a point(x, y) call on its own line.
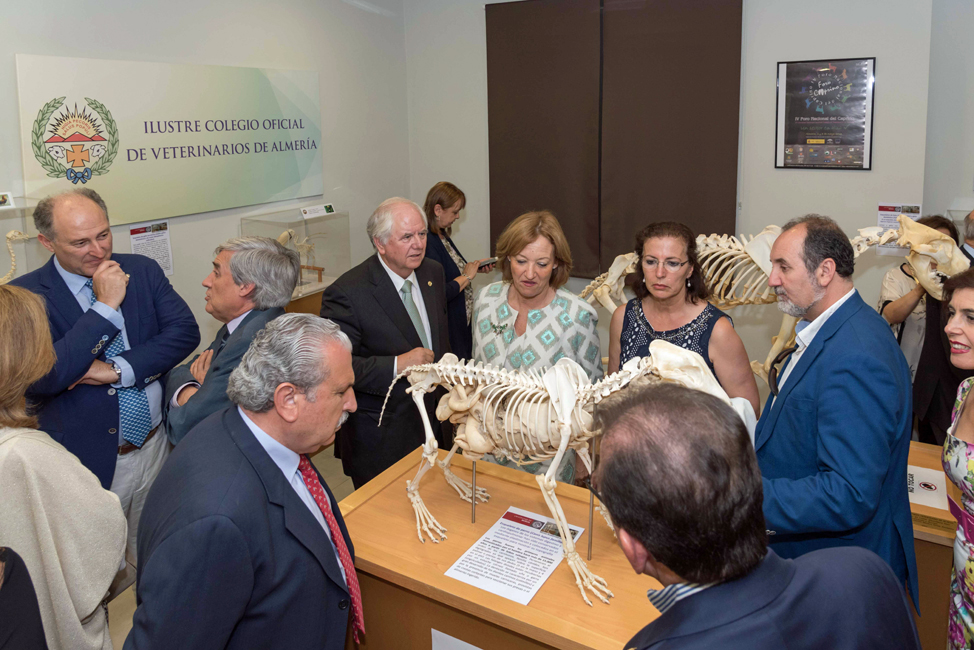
point(670, 265)
point(587, 483)
point(773, 373)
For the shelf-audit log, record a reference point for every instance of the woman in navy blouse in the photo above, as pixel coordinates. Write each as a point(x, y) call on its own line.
point(442, 207)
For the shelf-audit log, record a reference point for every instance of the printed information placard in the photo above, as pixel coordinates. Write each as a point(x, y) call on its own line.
point(515, 557)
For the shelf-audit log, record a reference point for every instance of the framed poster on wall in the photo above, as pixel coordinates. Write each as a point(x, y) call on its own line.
point(824, 114)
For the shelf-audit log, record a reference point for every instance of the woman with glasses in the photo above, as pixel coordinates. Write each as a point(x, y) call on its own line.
point(671, 304)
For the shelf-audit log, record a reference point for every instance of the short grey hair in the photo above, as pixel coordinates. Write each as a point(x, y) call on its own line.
point(270, 266)
point(44, 212)
point(380, 223)
point(969, 226)
point(290, 349)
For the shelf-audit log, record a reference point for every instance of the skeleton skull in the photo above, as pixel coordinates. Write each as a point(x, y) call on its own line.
point(933, 255)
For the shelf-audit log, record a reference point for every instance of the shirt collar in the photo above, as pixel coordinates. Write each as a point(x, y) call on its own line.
point(805, 331)
point(283, 457)
point(663, 599)
point(74, 281)
point(232, 325)
point(968, 248)
point(397, 279)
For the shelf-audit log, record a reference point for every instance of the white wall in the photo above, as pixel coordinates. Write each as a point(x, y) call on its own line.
point(898, 35)
point(950, 109)
point(446, 68)
point(358, 53)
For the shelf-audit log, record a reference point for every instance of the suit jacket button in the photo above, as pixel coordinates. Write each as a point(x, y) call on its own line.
point(113, 430)
point(111, 391)
point(94, 350)
point(343, 603)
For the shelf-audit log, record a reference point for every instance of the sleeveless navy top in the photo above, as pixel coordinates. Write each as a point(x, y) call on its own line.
point(637, 333)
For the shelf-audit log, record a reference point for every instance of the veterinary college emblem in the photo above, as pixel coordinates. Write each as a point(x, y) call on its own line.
point(74, 144)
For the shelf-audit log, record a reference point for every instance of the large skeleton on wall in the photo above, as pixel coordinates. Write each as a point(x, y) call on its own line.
point(530, 417)
point(737, 271)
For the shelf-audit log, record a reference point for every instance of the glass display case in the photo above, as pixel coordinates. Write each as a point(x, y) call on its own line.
point(21, 252)
point(322, 241)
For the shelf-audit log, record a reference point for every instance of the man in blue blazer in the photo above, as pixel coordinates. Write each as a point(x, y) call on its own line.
point(118, 326)
point(242, 544)
point(680, 478)
point(833, 442)
point(251, 283)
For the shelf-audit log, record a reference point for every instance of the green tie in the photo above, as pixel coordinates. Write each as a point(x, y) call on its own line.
point(411, 309)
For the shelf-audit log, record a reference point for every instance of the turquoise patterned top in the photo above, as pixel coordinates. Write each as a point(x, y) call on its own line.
point(566, 327)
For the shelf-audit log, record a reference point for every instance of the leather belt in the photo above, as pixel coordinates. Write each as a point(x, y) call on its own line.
point(128, 447)
point(964, 519)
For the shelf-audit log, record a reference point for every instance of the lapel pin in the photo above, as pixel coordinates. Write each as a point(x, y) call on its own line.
point(429, 283)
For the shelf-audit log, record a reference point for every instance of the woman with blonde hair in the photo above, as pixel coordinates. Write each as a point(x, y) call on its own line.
point(54, 513)
point(528, 320)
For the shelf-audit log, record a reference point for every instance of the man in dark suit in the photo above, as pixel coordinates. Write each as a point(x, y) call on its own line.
point(251, 283)
point(680, 478)
point(118, 326)
point(242, 543)
point(392, 326)
point(833, 444)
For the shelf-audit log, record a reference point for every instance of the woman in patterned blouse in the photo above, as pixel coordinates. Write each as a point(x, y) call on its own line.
point(529, 320)
point(671, 304)
point(443, 204)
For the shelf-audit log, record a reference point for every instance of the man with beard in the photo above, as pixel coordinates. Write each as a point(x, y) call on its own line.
point(834, 437)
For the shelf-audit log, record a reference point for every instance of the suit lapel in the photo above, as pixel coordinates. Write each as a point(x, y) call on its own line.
point(831, 326)
point(425, 279)
point(60, 297)
point(297, 518)
point(130, 312)
point(388, 298)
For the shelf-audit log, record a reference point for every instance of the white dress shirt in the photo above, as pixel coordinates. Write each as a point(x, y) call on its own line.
point(287, 461)
point(153, 392)
point(398, 281)
point(970, 249)
point(231, 326)
point(805, 332)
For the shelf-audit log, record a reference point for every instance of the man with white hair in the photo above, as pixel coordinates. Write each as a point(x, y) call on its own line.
point(251, 282)
point(393, 308)
point(241, 543)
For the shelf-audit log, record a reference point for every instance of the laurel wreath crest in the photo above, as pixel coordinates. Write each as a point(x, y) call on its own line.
point(50, 164)
point(44, 157)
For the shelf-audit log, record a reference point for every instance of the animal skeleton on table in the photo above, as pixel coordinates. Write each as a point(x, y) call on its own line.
point(737, 270)
point(530, 417)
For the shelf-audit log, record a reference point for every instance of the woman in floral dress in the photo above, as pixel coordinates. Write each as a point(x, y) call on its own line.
point(529, 320)
point(958, 459)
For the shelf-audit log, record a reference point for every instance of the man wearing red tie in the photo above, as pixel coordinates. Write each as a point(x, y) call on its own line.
point(241, 543)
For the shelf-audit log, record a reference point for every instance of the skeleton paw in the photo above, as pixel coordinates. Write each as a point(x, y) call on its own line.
point(463, 488)
point(425, 521)
point(585, 579)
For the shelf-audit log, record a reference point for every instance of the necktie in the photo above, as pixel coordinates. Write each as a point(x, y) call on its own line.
point(314, 486)
point(773, 373)
point(135, 419)
point(413, 311)
point(223, 342)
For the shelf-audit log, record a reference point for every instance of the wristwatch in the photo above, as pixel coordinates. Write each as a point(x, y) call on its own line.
point(118, 371)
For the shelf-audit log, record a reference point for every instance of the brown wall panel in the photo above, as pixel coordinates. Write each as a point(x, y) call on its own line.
point(670, 104)
point(543, 107)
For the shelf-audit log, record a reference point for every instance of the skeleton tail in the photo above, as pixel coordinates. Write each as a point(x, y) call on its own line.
point(393, 385)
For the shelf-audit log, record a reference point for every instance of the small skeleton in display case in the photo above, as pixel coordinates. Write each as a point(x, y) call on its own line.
point(306, 250)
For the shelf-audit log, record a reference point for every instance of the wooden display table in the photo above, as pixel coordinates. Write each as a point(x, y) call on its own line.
point(933, 539)
point(405, 592)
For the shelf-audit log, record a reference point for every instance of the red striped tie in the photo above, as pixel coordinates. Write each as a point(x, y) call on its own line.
point(314, 486)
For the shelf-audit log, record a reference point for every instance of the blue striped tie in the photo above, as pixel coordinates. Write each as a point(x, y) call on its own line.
point(135, 419)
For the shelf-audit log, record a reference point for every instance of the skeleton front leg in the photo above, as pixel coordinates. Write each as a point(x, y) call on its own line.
point(425, 521)
point(462, 487)
point(584, 578)
point(785, 336)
